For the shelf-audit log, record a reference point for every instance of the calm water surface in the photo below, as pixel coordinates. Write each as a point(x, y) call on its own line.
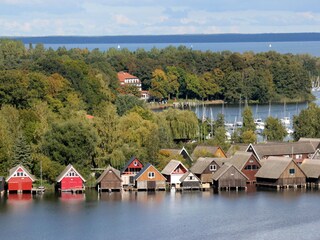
point(163, 215)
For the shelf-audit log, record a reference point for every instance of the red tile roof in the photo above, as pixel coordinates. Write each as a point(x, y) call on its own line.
point(123, 75)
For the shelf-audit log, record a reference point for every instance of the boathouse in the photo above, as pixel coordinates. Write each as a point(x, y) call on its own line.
point(70, 180)
point(130, 170)
point(170, 152)
point(109, 180)
point(208, 151)
point(149, 178)
point(280, 172)
point(189, 181)
point(247, 163)
point(20, 180)
point(311, 167)
point(204, 168)
point(296, 150)
point(229, 177)
point(2, 184)
point(173, 171)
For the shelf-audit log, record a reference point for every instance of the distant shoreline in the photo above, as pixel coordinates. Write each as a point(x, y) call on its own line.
point(182, 38)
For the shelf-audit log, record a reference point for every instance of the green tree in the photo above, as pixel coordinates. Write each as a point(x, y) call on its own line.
point(22, 153)
point(73, 141)
point(248, 128)
point(124, 103)
point(274, 130)
point(307, 123)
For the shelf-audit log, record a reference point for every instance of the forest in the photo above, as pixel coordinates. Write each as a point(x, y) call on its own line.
point(66, 106)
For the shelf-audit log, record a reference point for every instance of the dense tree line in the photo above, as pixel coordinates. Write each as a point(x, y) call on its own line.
point(66, 106)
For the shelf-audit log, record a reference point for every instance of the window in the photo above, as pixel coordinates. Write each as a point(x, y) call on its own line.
point(213, 167)
point(250, 161)
point(135, 163)
point(151, 175)
point(190, 178)
point(298, 156)
point(291, 171)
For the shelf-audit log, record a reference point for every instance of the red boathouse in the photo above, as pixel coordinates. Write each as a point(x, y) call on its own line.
point(70, 180)
point(20, 179)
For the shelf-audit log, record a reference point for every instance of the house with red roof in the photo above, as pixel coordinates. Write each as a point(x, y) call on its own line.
point(128, 79)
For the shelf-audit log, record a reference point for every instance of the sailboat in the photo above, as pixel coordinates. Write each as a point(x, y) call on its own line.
point(285, 120)
point(41, 189)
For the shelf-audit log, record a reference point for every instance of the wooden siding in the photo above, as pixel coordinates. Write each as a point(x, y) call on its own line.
point(71, 183)
point(231, 178)
point(110, 181)
point(147, 185)
point(219, 153)
point(250, 173)
point(157, 176)
point(20, 184)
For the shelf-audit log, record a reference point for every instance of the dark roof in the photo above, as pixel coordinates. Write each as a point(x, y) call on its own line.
point(171, 166)
point(223, 169)
point(12, 170)
point(116, 172)
point(65, 171)
point(128, 163)
point(283, 148)
point(202, 163)
point(311, 168)
point(184, 176)
point(273, 167)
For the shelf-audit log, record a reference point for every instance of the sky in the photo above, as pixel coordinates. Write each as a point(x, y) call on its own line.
point(156, 17)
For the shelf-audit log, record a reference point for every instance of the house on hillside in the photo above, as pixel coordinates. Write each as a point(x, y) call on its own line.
point(20, 180)
point(70, 180)
point(150, 179)
point(247, 163)
point(280, 172)
point(109, 180)
point(208, 151)
point(296, 150)
point(311, 168)
point(229, 177)
point(204, 168)
point(189, 181)
point(173, 171)
point(126, 79)
point(177, 152)
point(130, 170)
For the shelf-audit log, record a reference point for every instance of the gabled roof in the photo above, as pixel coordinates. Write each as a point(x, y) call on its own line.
point(314, 141)
point(184, 176)
point(176, 151)
point(205, 149)
point(311, 168)
point(273, 167)
point(282, 148)
point(236, 147)
point(66, 170)
point(239, 159)
point(14, 169)
point(129, 162)
point(223, 169)
point(316, 154)
point(148, 165)
point(202, 163)
point(124, 75)
point(171, 166)
point(115, 171)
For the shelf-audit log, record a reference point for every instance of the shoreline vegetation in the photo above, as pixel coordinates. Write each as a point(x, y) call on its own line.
point(60, 107)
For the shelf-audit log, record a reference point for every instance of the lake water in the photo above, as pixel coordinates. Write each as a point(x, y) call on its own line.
point(289, 214)
point(309, 47)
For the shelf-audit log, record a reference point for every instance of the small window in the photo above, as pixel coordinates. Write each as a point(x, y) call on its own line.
point(213, 167)
point(135, 163)
point(151, 175)
point(190, 178)
point(291, 171)
point(298, 156)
